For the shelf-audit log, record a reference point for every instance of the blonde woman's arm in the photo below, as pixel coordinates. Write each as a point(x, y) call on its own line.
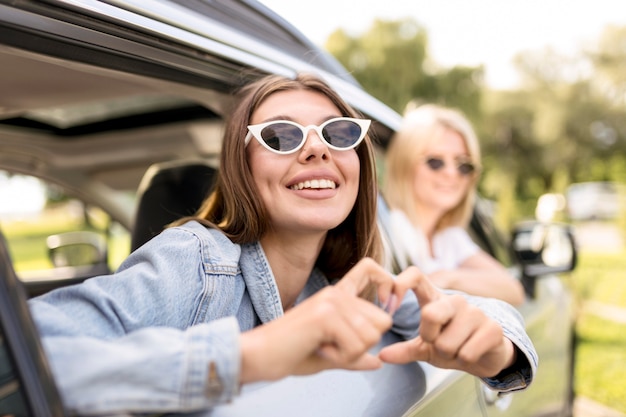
point(482, 275)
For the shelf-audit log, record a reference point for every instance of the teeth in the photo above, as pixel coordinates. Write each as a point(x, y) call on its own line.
point(314, 184)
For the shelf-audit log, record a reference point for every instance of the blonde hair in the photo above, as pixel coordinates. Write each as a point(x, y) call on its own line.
point(421, 127)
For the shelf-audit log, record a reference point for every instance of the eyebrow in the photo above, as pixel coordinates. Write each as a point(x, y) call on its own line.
point(440, 155)
point(279, 117)
point(289, 118)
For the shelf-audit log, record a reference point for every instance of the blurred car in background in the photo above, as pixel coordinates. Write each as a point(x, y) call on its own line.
point(595, 200)
point(110, 113)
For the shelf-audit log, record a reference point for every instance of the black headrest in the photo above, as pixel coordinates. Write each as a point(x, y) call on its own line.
point(169, 191)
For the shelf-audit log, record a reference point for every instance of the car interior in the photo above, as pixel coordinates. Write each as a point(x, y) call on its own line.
point(167, 192)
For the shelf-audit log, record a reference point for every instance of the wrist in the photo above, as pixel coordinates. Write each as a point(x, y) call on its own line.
point(512, 353)
point(250, 348)
point(512, 358)
point(443, 279)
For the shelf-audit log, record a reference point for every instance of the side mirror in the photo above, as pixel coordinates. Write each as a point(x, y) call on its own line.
point(75, 256)
point(544, 248)
point(78, 249)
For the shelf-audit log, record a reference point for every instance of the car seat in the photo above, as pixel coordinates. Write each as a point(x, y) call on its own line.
point(167, 192)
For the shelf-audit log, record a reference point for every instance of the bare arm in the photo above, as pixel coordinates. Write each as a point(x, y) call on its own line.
point(481, 275)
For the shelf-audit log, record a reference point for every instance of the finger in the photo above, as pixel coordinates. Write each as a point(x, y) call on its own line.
point(491, 360)
point(365, 362)
point(416, 350)
point(485, 353)
point(366, 272)
point(351, 324)
point(449, 323)
point(319, 361)
point(487, 340)
point(333, 359)
point(436, 315)
point(357, 326)
point(405, 352)
point(425, 291)
point(467, 326)
point(410, 278)
point(350, 309)
point(365, 315)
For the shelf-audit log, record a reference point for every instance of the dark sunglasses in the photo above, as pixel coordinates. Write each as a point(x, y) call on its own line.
point(285, 137)
point(464, 167)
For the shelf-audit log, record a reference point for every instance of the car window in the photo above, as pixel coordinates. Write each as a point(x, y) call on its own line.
point(485, 233)
point(48, 230)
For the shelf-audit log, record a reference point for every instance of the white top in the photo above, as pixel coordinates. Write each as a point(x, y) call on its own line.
point(451, 246)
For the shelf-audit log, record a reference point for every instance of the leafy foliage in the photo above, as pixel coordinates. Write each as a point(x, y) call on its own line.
point(391, 61)
point(567, 124)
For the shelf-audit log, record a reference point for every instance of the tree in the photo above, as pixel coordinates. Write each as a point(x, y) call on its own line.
point(387, 60)
point(608, 62)
point(391, 62)
point(567, 124)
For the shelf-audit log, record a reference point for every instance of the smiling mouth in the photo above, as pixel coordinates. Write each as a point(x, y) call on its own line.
point(314, 185)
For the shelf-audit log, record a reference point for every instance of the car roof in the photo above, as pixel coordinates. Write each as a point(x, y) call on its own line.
point(263, 24)
point(94, 92)
point(217, 46)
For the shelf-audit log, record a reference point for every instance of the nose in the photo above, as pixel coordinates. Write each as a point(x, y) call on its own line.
point(449, 169)
point(314, 147)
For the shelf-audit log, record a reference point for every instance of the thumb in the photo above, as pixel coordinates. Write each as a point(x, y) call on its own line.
point(405, 352)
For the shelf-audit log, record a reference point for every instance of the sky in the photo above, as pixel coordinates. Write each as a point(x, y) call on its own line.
point(20, 196)
point(468, 32)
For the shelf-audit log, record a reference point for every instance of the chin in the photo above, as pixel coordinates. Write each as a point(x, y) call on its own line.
point(446, 206)
point(321, 223)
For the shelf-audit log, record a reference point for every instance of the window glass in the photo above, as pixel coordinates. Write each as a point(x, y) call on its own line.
point(47, 229)
point(484, 232)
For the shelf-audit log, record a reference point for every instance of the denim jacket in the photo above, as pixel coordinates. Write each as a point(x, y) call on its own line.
point(162, 333)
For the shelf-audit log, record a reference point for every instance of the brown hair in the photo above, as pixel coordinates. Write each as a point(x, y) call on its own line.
point(422, 126)
point(234, 205)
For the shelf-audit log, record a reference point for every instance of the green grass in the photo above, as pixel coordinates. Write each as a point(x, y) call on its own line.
point(601, 362)
point(601, 277)
point(600, 371)
point(27, 238)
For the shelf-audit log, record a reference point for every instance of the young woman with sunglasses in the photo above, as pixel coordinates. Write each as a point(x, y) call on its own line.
point(432, 167)
point(275, 275)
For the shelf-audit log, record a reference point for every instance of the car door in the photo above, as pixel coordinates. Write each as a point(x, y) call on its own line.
point(412, 390)
point(549, 318)
point(26, 385)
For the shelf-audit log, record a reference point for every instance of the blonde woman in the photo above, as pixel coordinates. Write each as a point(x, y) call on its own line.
point(433, 165)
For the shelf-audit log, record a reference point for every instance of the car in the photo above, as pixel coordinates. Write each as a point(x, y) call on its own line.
point(601, 200)
point(110, 109)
